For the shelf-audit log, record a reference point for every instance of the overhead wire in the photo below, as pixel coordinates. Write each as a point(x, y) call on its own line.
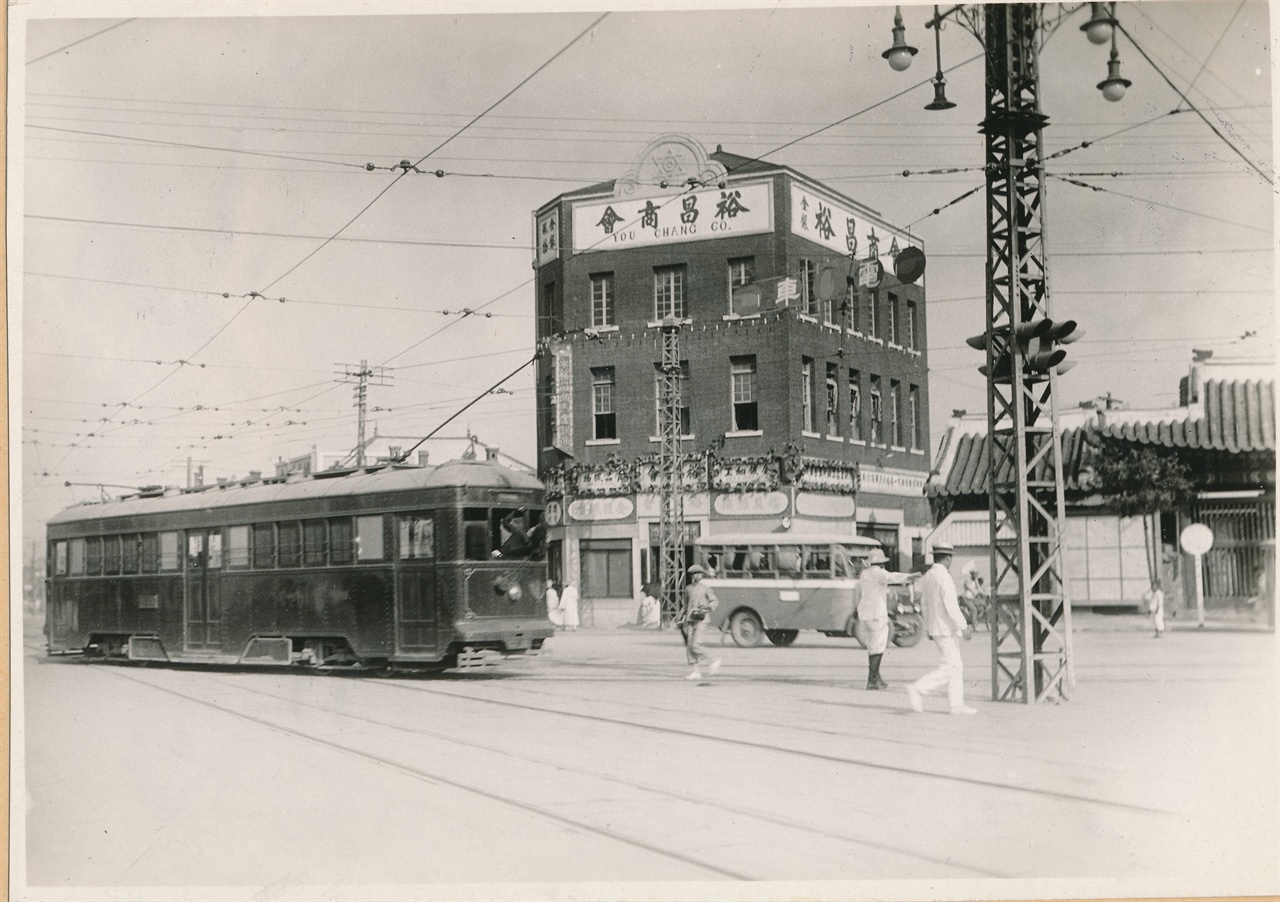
point(89, 37)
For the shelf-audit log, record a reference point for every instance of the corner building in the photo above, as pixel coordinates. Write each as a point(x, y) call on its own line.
point(805, 399)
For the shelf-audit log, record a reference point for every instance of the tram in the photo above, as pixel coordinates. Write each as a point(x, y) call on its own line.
point(388, 567)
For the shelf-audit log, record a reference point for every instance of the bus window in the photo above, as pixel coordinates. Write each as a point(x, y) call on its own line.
point(849, 562)
point(790, 559)
point(818, 561)
point(475, 526)
point(369, 545)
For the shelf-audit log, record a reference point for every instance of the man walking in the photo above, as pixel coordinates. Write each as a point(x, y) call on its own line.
point(873, 612)
point(944, 622)
point(700, 601)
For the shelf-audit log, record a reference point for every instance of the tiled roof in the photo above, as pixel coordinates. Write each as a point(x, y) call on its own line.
point(1235, 415)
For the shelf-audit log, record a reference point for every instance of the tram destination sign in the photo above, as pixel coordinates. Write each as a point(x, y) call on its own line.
point(668, 218)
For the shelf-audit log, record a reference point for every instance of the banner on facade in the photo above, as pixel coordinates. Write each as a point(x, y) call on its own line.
point(562, 398)
point(823, 220)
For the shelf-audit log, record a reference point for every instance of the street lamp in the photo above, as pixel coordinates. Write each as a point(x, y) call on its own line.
point(1113, 86)
point(900, 54)
point(940, 101)
point(1102, 22)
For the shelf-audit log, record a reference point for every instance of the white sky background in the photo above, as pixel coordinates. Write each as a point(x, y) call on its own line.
point(1145, 281)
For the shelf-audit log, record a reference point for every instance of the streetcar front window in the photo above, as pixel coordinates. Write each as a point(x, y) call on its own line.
point(60, 558)
point(77, 557)
point(519, 532)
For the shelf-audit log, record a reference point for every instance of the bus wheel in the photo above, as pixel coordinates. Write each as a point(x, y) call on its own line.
point(746, 629)
point(782, 638)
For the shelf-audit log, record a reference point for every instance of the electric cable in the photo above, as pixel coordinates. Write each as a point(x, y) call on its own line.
point(89, 37)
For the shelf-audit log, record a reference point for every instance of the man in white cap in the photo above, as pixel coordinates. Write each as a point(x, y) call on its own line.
point(944, 622)
point(700, 601)
point(873, 612)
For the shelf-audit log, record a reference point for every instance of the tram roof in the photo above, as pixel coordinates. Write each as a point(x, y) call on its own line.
point(784, 538)
point(451, 474)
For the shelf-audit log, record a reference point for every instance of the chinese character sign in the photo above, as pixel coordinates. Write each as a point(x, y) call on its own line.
point(562, 398)
point(548, 231)
point(827, 222)
point(691, 216)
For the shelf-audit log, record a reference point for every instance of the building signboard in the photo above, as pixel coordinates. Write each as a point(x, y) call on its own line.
point(548, 232)
point(751, 504)
point(810, 504)
point(562, 398)
point(891, 482)
point(600, 508)
point(668, 218)
point(822, 220)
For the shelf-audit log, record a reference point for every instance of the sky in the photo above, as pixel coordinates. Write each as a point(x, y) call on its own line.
point(198, 251)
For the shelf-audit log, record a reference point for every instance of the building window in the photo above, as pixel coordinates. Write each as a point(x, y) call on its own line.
point(873, 324)
point(895, 405)
point(606, 568)
point(891, 317)
point(686, 430)
point(833, 400)
point(877, 413)
point(855, 316)
point(602, 313)
point(1106, 558)
point(550, 311)
point(668, 292)
point(809, 286)
point(742, 271)
point(742, 378)
point(606, 422)
point(806, 395)
point(855, 405)
point(914, 423)
point(911, 326)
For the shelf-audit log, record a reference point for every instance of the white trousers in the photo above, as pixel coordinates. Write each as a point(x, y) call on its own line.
point(950, 672)
point(875, 635)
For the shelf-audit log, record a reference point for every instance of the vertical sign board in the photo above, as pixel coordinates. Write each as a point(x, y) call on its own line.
point(562, 398)
point(548, 235)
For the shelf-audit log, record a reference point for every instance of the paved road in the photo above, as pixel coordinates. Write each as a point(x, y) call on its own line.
point(598, 765)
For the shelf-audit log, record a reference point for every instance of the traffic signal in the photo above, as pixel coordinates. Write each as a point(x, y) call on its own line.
point(1038, 340)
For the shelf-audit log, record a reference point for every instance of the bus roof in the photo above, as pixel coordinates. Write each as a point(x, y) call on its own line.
point(784, 538)
point(454, 473)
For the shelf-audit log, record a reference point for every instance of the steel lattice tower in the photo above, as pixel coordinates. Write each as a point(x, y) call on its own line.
point(1031, 629)
point(670, 480)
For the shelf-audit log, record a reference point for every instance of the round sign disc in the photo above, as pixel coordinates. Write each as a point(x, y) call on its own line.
point(830, 283)
point(909, 265)
point(1196, 539)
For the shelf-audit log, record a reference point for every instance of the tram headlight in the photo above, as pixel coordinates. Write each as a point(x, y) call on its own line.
point(515, 593)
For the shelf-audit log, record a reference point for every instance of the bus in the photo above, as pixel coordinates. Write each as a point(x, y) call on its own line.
point(772, 585)
point(387, 567)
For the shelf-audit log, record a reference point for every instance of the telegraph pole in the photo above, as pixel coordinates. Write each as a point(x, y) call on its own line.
point(363, 376)
point(670, 478)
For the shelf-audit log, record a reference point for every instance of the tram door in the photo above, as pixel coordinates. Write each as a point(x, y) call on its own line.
point(203, 608)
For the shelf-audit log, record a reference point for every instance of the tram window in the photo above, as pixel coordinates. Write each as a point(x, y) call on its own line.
point(93, 555)
point(340, 541)
point(60, 558)
point(313, 542)
point(214, 558)
point(369, 539)
point(290, 545)
point(238, 546)
point(264, 545)
point(475, 525)
point(111, 554)
point(417, 537)
point(169, 543)
point(77, 557)
point(150, 552)
point(130, 552)
point(195, 550)
point(519, 533)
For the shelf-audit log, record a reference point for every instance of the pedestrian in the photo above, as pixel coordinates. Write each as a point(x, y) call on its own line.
point(569, 606)
point(700, 601)
point(944, 622)
point(553, 605)
point(1155, 604)
point(873, 612)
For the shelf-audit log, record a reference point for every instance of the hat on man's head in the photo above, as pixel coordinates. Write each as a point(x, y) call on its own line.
point(697, 569)
point(943, 548)
point(877, 556)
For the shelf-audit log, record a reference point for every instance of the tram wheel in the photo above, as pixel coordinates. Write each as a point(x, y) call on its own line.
point(746, 629)
point(782, 638)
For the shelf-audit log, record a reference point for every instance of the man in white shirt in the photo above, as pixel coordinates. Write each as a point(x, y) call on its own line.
point(944, 622)
point(873, 612)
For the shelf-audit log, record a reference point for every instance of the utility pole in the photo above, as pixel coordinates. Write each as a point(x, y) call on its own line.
point(363, 376)
point(670, 477)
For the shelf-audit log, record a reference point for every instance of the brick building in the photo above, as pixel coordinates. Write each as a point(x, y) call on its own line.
point(804, 399)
